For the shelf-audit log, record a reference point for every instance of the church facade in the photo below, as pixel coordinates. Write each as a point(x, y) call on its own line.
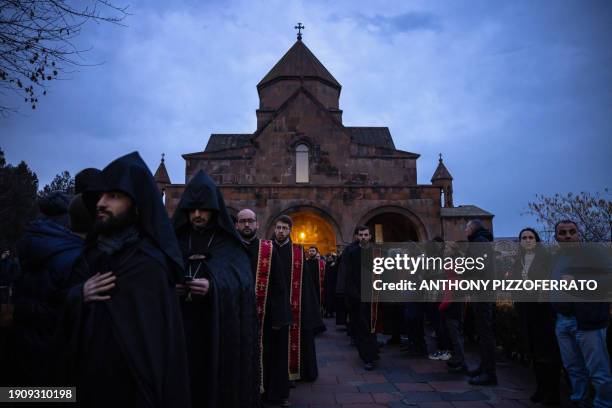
point(304, 162)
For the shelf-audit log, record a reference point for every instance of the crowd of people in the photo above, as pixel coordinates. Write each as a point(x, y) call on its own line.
point(134, 308)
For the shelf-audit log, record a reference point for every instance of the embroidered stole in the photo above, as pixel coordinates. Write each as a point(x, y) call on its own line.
point(295, 297)
point(374, 303)
point(262, 278)
point(321, 280)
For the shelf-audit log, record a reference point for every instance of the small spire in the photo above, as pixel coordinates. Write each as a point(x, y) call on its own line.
point(161, 175)
point(441, 172)
point(299, 27)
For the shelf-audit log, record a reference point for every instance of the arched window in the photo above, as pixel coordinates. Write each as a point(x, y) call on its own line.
point(301, 163)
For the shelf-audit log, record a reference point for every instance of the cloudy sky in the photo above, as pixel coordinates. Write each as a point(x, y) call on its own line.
point(516, 95)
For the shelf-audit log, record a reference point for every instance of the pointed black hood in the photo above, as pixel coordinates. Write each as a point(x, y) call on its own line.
point(130, 175)
point(85, 179)
point(202, 193)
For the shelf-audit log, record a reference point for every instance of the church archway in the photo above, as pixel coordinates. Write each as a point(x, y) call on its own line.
point(394, 224)
point(311, 226)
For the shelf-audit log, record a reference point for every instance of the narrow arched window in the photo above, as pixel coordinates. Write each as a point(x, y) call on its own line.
point(301, 163)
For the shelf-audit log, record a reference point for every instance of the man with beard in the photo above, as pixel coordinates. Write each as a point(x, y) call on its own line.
point(122, 330)
point(247, 226)
point(362, 314)
point(270, 297)
point(304, 318)
point(217, 299)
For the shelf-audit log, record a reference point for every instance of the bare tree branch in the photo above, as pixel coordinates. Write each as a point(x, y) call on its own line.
point(592, 212)
point(36, 41)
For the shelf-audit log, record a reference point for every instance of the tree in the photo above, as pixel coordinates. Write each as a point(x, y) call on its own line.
point(36, 41)
point(61, 182)
point(18, 186)
point(592, 212)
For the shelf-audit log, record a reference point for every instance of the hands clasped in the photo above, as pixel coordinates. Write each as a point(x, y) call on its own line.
point(199, 286)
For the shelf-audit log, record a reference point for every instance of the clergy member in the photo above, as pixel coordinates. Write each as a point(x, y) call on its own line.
point(310, 311)
point(268, 288)
point(362, 314)
point(121, 331)
point(217, 299)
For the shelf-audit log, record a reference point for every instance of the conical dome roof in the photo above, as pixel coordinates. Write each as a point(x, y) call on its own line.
point(299, 62)
point(161, 174)
point(441, 172)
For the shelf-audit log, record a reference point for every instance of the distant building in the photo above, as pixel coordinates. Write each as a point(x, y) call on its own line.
point(303, 161)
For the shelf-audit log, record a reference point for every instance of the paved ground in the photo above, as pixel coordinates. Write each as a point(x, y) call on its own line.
point(401, 382)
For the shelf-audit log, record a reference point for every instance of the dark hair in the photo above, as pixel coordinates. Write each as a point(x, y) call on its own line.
point(312, 246)
point(565, 221)
point(539, 251)
point(521, 251)
point(360, 228)
point(537, 236)
point(285, 219)
point(80, 219)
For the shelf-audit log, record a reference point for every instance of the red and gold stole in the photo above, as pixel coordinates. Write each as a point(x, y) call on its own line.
point(262, 278)
point(374, 304)
point(321, 279)
point(297, 263)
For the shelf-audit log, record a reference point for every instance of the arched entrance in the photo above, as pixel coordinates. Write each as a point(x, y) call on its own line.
point(310, 228)
point(394, 225)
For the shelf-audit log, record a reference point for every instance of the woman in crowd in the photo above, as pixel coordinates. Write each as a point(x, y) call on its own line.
point(537, 319)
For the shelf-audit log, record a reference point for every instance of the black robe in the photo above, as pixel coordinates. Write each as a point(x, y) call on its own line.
point(329, 285)
point(360, 312)
point(312, 323)
point(128, 350)
point(276, 325)
point(252, 248)
point(131, 344)
point(220, 327)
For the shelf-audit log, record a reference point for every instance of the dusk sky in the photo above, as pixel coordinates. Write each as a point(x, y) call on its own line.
point(516, 95)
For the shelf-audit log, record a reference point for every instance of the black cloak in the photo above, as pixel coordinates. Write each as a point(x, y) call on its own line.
point(231, 359)
point(142, 319)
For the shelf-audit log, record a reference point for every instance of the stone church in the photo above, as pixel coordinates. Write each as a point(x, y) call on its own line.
point(304, 162)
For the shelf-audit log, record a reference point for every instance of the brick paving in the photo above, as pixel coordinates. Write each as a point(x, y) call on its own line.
point(399, 381)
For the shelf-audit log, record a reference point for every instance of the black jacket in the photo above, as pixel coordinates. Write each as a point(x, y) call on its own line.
point(589, 315)
point(47, 253)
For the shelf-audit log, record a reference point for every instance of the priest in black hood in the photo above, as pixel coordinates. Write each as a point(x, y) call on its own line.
point(122, 332)
point(218, 300)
